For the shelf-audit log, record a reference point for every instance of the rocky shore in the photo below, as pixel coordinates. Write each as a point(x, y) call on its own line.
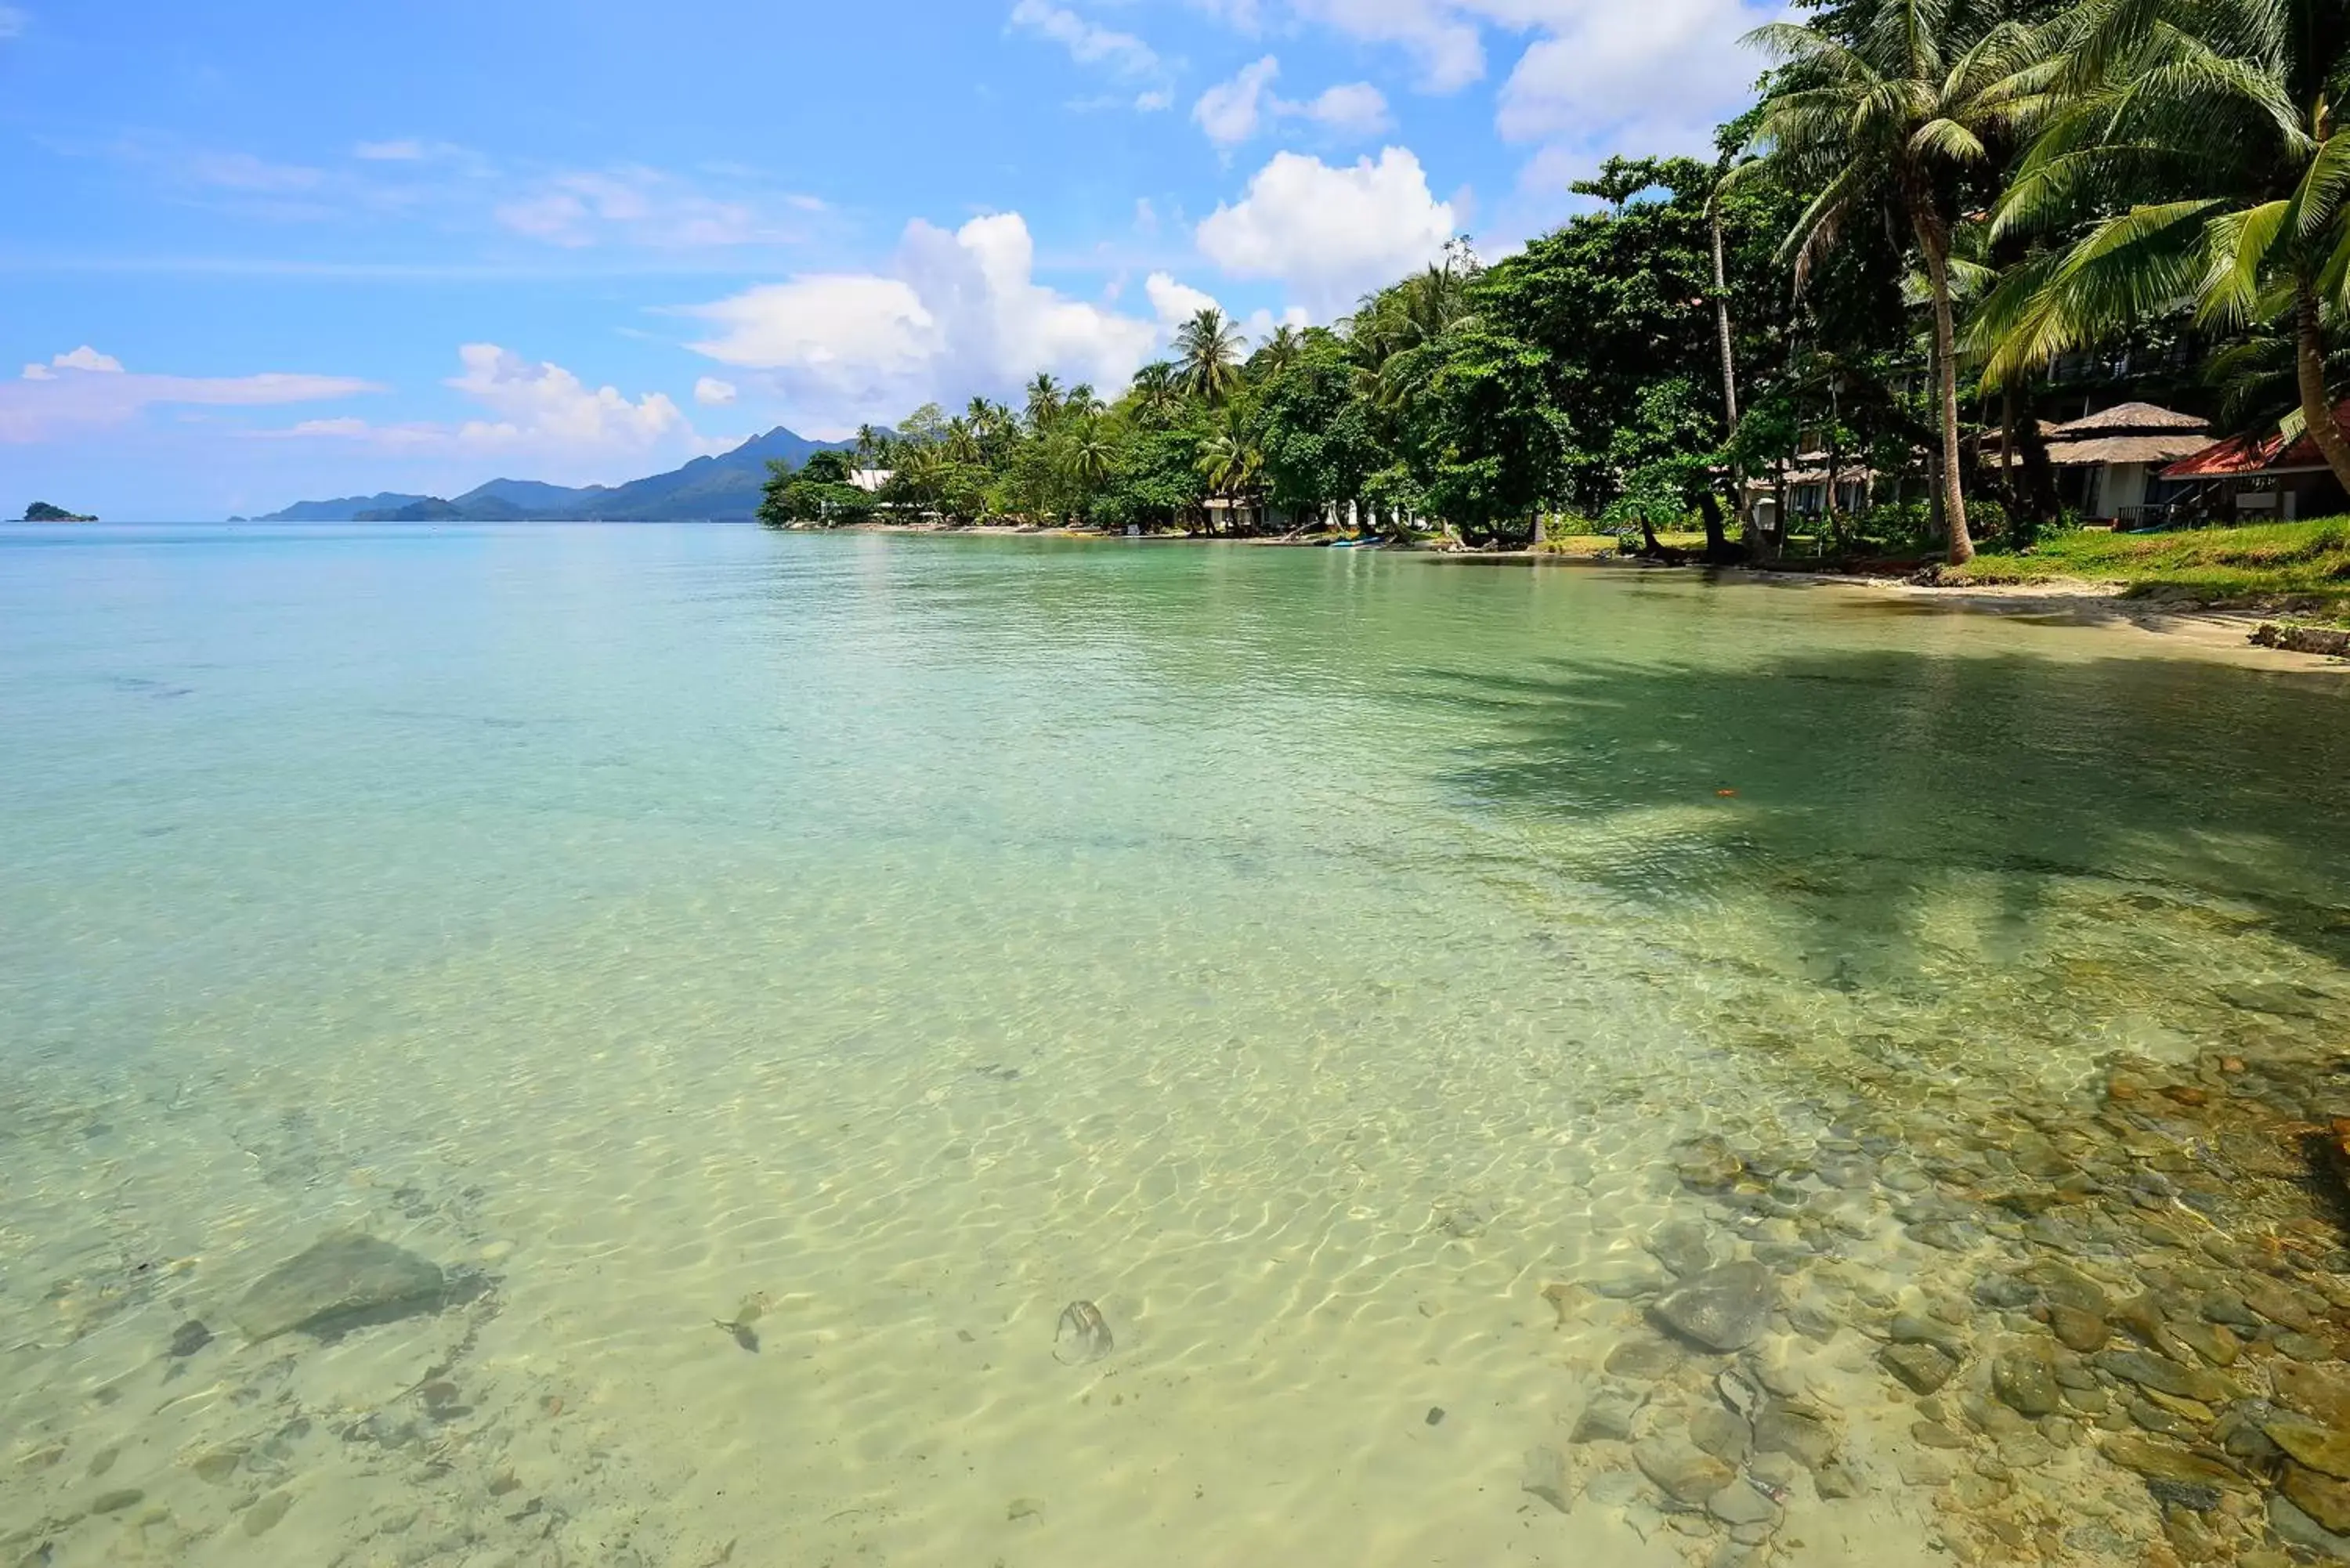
point(2104, 1333)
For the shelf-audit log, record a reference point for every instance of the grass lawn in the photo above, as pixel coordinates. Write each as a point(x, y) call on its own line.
point(2303, 566)
point(1605, 544)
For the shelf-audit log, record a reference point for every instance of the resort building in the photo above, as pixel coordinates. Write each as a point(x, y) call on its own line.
point(2257, 479)
point(2112, 465)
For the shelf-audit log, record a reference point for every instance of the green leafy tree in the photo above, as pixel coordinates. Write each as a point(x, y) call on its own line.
point(1892, 121)
point(2192, 152)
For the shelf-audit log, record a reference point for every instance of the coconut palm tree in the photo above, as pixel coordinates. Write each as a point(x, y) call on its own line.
point(1156, 391)
point(1044, 401)
point(1207, 355)
point(1091, 455)
point(1229, 461)
point(1278, 352)
point(2197, 138)
point(962, 443)
point(1894, 122)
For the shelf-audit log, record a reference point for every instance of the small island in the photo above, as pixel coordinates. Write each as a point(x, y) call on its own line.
point(42, 511)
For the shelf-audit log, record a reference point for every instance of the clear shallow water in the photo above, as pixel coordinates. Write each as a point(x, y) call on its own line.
point(1306, 956)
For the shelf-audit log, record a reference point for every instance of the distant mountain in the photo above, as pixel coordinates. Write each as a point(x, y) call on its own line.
point(723, 489)
point(346, 510)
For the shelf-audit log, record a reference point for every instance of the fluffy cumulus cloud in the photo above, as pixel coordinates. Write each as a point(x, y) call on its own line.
point(713, 393)
point(533, 411)
point(1230, 112)
point(1234, 112)
point(957, 314)
point(537, 403)
point(84, 389)
point(1656, 77)
point(1328, 233)
point(1591, 77)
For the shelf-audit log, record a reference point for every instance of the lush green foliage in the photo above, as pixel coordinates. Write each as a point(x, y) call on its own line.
point(1935, 202)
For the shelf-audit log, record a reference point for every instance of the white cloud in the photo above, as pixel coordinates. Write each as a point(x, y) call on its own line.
point(1598, 76)
point(1655, 78)
point(545, 404)
point(1157, 100)
point(959, 313)
point(713, 393)
point(1234, 112)
point(1259, 324)
point(88, 358)
point(1356, 107)
point(1329, 233)
point(1230, 112)
point(1440, 40)
point(256, 176)
point(635, 206)
point(13, 21)
point(1174, 303)
point(1241, 15)
point(1088, 43)
point(408, 151)
point(85, 389)
point(533, 411)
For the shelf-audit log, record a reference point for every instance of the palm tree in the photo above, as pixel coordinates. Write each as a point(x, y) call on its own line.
point(1279, 351)
point(1081, 402)
point(1207, 355)
point(962, 443)
point(1228, 459)
point(2209, 124)
point(1091, 455)
point(1044, 401)
point(1155, 390)
point(1892, 121)
point(870, 443)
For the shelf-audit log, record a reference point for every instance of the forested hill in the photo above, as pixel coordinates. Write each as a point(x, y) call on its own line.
point(722, 489)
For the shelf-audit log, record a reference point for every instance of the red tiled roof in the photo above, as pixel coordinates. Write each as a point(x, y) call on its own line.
point(2241, 455)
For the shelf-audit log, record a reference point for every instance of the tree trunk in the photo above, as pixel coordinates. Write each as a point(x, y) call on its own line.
point(2040, 504)
point(1946, 389)
point(1721, 324)
point(1831, 518)
point(2007, 439)
point(2309, 365)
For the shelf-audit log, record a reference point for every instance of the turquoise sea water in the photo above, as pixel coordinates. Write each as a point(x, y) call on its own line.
point(1304, 956)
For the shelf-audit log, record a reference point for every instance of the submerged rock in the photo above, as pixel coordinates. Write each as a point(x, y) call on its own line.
point(2164, 1376)
point(2314, 1446)
point(1921, 1369)
point(1723, 1308)
point(2325, 1498)
point(345, 1281)
point(1798, 1434)
point(1606, 1420)
point(1682, 1471)
point(2024, 1377)
point(2160, 1461)
point(2295, 1528)
point(1544, 1475)
point(2322, 1392)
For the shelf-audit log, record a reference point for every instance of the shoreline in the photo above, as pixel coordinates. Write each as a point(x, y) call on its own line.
point(2178, 629)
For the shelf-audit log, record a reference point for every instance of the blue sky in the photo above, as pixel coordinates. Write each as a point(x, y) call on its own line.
point(262, 250)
